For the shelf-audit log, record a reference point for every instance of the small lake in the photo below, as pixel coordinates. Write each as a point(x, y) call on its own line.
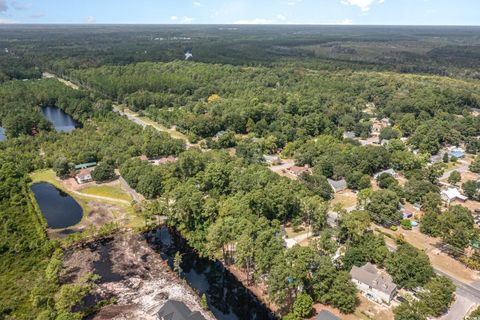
point(227, 298)
point(59, 209)
point(61, 121)
point(2, 134)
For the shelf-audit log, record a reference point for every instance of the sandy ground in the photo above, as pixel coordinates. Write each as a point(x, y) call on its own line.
point(366, 310)
point(145, 282)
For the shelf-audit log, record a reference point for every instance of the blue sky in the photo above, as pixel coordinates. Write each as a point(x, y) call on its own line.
point(383, 12)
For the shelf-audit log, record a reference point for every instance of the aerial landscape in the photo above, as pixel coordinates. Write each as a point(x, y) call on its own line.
point(235, 160)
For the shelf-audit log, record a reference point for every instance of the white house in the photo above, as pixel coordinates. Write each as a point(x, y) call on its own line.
point(452, 194)
point(376, 285)
point(84, 176)
point(389, 171)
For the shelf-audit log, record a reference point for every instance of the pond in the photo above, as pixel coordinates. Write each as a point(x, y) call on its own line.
point(59, 209)
point(2, 134)
point(62, 122)
point(227, 298)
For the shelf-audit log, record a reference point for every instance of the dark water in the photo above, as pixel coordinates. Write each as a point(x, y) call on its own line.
point(62, 121)
point(103, 266)
point(2, 134)
point(227, 298)
point(59, 209)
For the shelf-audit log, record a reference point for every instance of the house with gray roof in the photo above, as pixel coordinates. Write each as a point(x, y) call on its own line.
point(375, 284)
point(177, 310)
point(389, 171)
point(337, 185)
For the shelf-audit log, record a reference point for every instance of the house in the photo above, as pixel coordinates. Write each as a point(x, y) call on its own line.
point(272, 159)
point(349, 135)
point(176, 310)
point(438, 158)
point(378, 125)
point(457, 153)
point(326, 315)
point(219, 134)
point(375, 284)
point(84, 176)
point(389, 171)
point(337, 185)
point(452, 194)
point(298, 171)
point(406, 214)
point(475, 112)
point(164, 160)
point(85, 165)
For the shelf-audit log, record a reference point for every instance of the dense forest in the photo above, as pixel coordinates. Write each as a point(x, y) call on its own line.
point(255, 93)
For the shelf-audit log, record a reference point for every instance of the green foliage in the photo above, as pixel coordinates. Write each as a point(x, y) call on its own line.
point(103, 172)
point(409, 267)
point(471, 189)
point(438, 295)
point(384, 208)
point(454, 177)
point(475, 166)
point(303, 305)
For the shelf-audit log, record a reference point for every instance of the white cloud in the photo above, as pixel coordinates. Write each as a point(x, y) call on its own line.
point(345, 21)
point(7, 21)
point(174, 18)
point(281, 17)
point(187, 20)
point(37, 15)
point(90, 19)
point(364, 5)
point(255, 21)
point(197, 4)
point(3, 5)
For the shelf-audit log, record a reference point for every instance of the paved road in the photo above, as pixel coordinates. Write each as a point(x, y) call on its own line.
point(471, 291)
point(461, 169)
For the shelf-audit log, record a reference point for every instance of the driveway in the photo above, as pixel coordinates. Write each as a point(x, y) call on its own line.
point(460, 308)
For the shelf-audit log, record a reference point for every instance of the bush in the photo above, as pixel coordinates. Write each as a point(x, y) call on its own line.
point(406, 224)
point(103, 172)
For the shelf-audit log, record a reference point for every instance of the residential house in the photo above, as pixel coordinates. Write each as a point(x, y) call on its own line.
point(272, 159)
point(452, 194)
point(438, 158)
point(298, 171)
point(457, 153)
point(349, 135)
point(337, 185)
point(389, 171)
point(177, 310)
point(375, 284)
point(475, 112)
point(326, 315)
point(378, 125)
point(84, 176)
point(164, 160)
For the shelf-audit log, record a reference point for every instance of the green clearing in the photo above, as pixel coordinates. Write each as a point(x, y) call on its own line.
point(113, 192)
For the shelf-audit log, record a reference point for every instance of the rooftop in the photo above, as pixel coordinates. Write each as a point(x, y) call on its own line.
point(371, 276)
point(177, 310)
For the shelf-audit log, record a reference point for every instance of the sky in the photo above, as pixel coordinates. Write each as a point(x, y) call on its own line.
point(359, 12)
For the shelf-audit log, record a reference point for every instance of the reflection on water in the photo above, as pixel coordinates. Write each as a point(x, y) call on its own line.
point(62, 121)
point(227, 298)
point(59, 209)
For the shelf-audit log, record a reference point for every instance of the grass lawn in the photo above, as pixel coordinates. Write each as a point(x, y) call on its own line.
point(114, 192)
point(46, 176)
point(346, 198)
